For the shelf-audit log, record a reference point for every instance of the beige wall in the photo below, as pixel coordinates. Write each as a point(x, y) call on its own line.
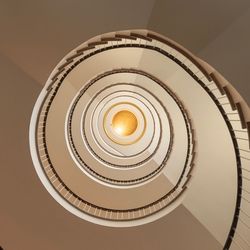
point(34, 37)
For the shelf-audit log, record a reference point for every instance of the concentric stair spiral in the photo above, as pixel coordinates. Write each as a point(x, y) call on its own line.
point(130, 125)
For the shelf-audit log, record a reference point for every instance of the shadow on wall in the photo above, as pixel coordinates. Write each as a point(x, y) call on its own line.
point(17, 96)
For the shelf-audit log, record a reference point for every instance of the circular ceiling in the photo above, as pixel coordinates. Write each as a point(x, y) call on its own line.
point(113, 133)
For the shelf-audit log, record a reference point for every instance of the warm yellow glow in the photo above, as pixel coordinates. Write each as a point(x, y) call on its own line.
point(124, 123)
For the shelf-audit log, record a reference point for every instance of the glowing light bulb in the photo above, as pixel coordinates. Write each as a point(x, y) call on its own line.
point(124, 123)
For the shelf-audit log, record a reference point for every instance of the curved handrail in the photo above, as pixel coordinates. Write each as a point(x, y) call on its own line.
point(219, 90)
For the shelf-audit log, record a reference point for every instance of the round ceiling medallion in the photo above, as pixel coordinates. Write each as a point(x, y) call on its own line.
point(124, 123)
point(113, 133)
point(122, 120)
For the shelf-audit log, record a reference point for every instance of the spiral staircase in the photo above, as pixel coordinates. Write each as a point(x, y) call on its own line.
point(190, 146)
